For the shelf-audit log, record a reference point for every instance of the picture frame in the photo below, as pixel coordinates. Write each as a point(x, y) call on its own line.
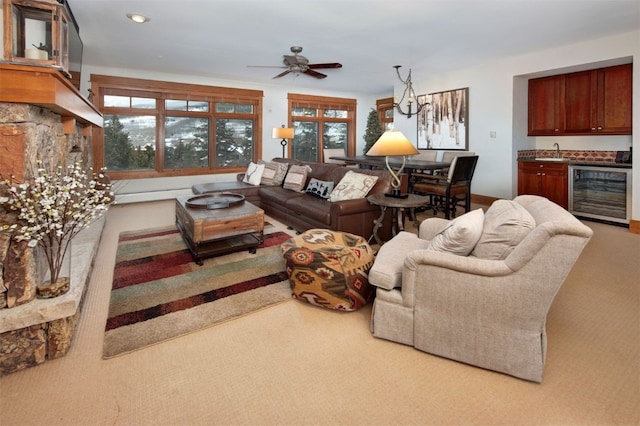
point(443, 123)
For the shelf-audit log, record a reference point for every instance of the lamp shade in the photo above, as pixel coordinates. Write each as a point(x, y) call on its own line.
point(282, 133)
point(392, 143)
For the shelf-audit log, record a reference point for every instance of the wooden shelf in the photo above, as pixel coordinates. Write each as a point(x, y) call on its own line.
point(47, 88)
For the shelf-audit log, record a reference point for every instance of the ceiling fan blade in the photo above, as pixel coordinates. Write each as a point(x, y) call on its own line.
point(265, 66)
point(282, 74)
point(315, 74)
point(327, 65)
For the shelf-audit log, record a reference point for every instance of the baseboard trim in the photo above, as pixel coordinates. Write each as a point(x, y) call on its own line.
point(634, 226)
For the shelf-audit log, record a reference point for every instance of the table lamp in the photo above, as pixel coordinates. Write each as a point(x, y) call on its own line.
point(283, 133)
point(393, 143)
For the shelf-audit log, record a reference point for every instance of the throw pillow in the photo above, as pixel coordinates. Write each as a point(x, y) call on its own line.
point(506, 224)
point(353, 186)
point(274, 173)
point(461, 236)
point(319, 188)
point(253, 175)
point(296, 178)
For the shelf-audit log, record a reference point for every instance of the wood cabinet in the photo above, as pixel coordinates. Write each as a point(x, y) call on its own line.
point(550, 180)
point(582, 103)
point(544, 106)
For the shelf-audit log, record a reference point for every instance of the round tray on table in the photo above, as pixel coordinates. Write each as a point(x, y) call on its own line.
point(220, 200)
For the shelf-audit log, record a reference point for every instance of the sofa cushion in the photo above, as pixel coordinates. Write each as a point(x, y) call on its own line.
point(253, 175)
point(321, 171)
point(296, 178)
point(506, 224)
point(313, 208)
point(353, 186)
point(274, 173)
point(461, 236)
point(277, 195)
point(386, 271)
point(319, 188)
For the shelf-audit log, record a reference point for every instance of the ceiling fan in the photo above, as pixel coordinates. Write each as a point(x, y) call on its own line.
point(299, 64)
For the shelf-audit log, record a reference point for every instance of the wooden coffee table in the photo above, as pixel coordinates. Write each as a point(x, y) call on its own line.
point(219, 231)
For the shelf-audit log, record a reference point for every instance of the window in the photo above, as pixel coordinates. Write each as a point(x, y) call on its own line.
point(385, 113)
point(154, 128)
point(320, 122)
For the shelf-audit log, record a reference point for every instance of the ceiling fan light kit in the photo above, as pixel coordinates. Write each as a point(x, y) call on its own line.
point(409, 95)
point(298, 64)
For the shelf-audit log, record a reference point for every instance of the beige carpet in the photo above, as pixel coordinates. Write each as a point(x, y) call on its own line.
point(296, 364)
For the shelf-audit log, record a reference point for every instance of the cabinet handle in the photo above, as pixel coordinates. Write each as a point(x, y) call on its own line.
point(599, 128)
point(556, 130)
point(593, 129)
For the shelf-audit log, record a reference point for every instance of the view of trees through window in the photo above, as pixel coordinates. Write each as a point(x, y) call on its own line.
point(158, 134)
point(321, 123)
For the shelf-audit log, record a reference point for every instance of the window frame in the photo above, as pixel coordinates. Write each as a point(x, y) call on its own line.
point(322, 103)
point(382, 106)
point(102, 85)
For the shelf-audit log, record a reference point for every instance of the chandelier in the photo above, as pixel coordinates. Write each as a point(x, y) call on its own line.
point(408, 96)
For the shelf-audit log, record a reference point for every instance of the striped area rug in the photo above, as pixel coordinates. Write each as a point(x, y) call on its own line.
point(159, 292)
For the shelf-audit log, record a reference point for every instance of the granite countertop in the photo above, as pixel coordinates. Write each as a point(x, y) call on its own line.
point(580, 162)
point(571, 157)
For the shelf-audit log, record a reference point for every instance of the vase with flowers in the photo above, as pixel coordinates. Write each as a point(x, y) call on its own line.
point(52, 208)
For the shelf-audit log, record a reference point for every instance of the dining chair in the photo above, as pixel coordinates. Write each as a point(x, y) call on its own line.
point(446, 192)
point(327, 153)
point(448, 156)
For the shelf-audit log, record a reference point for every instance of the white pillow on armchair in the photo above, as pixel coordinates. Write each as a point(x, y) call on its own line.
point(461, 236)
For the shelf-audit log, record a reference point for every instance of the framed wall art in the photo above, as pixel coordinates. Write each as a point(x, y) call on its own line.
point(443, 123)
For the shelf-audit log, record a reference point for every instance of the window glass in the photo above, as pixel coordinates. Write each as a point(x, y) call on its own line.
point(198, 106)
point(305, 137)
point(117, 101)
point(186, 142)
point(154, 129)
point(234, 142)
point(146, 103)
point(224, 107)
point(335, 113)
point(244, 109)
point(175, 105)
point(304, 112)
point(129, 142)
point(183, 105)
point(335, 135)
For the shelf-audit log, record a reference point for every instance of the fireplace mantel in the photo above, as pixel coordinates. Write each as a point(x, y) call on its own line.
point(48, 88)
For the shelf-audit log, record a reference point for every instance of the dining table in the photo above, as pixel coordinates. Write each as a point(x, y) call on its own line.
point(411, 166)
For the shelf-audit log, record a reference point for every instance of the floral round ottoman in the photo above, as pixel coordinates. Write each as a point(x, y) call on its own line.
point(329, 268)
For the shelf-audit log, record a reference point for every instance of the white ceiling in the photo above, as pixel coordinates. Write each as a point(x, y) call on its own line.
point(220, 38)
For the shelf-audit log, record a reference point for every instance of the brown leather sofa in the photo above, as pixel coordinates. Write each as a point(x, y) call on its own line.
point(302, 211)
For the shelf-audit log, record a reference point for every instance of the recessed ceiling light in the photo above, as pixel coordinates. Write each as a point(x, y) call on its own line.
point(137, 18)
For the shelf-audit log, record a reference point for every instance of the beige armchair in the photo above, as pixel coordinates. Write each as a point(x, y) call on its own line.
point(486, 309)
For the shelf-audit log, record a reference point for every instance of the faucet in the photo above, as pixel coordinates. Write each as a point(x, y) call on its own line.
point(557, 147)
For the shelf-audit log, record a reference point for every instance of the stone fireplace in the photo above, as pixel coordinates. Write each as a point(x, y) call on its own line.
point(44, 118)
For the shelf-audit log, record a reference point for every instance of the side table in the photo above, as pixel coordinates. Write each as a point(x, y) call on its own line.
point(398, 206)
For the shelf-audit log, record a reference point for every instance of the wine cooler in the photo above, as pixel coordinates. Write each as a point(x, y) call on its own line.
point(602, 193)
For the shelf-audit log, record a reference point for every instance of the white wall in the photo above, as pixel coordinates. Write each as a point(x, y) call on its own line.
point(498, 102)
